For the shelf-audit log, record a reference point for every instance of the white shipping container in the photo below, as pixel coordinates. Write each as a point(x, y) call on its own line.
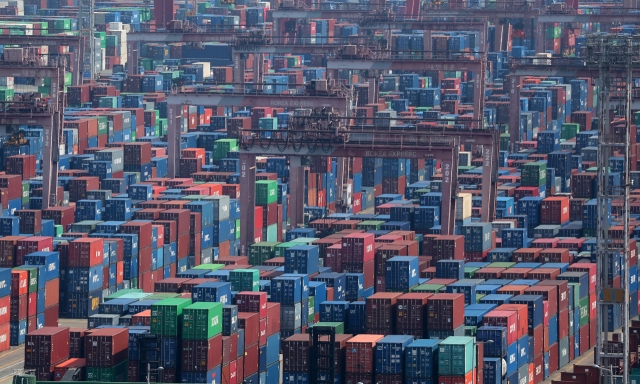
point(463, 206)
point(206, 69)
point(115, 26)
point(6, 82)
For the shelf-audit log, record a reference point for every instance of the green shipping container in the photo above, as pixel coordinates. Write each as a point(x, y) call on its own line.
point(280, 248)
point(122, 292)
point(456, 355)
point(58, 230)
point(506, 265)
point(118, 372)
point(237, 229)
point(201, 321)
point(266, 192)
point(272, 233)
point(534, 174)
point(470, 331)
point(576, 298)
point(504, 142)
point(370, 225)
point(108, 102)
point(245, 280)
point(469, 272)
point(260, 252)
point(222, 146)
point(25, 193)
point(166, 316)
point(162, 296)
point(584, 311)
point(338, 327)
point(6, 94)
point(211, 267)
point(569, 130)
point(434, 288)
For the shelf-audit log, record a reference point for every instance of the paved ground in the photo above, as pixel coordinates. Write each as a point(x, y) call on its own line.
point(585, 359)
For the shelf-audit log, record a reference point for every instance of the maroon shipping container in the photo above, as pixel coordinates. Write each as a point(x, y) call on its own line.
point(526, 255)
point(64, 216)
point(170, 230)
point(516, 273)
point(367, 269)
point(553, 358)
point(295, 353)
point(538, 368)
point(30, 221)
point(411, 314)
point(273, 318)
point(562, 287)
point(364, 378)
point(33, 244)
point(555, 255)
point(360, 353)
point(489, 273)
point(544, 273)
point(563, 324)
point(41, 373)
point(18, 307)
point(388, 379)
point(76, 342)
point(8, 247)
point(195, 220)
point(229, 348)
point(201, 355)
point(447, 248)
point(445, 311)
point(106, 347)
point(250, 322)
point(251, 359)
point(538, 334)
point(255, 302)
point(47, 346)
point(79, 186)
point(522, 310)
point(137, 153)
point(170, 285)
point(86, 252)
point(549, 293)
point(181, 216)
point(381, 311)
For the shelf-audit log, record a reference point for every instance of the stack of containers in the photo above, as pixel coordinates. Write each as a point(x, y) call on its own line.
point(358, 254)
point(266, 198)
point(202, 342)
point(107, 354)
point(166, 324)
point(421, 360)
point(45, 348)
point(83, 278)
point(360, 358)
point(19, 305)
point(477, 241)
point(292, 293)
point(390, 355)
point(457, 359)
point(47, 308)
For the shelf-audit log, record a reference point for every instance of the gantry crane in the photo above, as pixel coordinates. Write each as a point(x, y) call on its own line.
point(46, 114)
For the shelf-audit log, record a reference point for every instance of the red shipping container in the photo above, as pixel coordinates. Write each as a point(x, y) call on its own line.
point(358, 247)
point(19, 283)
point(229, 348)
point(251, 359)
point(545, 308)
point(523, 313)
point(250, 322)
point(538, 369)
point(64, 216)
point(538, 334)
point(411, 314)
point(8, 250)
point(106, 347)
point(381, 308)
point(61, 369)
point(170, 230)
point(263, 332)
point(170, 285)
point(273, 318)
point(550, 294)
point(466, 379)
point(445, 311)
point(13, 185)
point(508, 319)
point(142, 229)
point(51, 293)
point(33, 244)
point(201, 355)
point(360, 353)
point(32, 305)
point(229, 373)
point(181, 216)
point(51, 315)
point(142, 319)
point(255, 302)
point(544, 273)
point(47, 346)
point(553, 358)
point(86, 252)
point(145, 259)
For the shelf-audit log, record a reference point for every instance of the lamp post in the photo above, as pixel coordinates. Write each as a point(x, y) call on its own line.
point(149, 370)
point(606, 370)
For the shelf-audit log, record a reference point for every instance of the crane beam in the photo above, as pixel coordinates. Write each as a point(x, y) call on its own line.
point(249, 149)
point(50, 123)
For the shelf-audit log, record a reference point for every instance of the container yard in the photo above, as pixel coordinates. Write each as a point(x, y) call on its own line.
point(319, 192)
